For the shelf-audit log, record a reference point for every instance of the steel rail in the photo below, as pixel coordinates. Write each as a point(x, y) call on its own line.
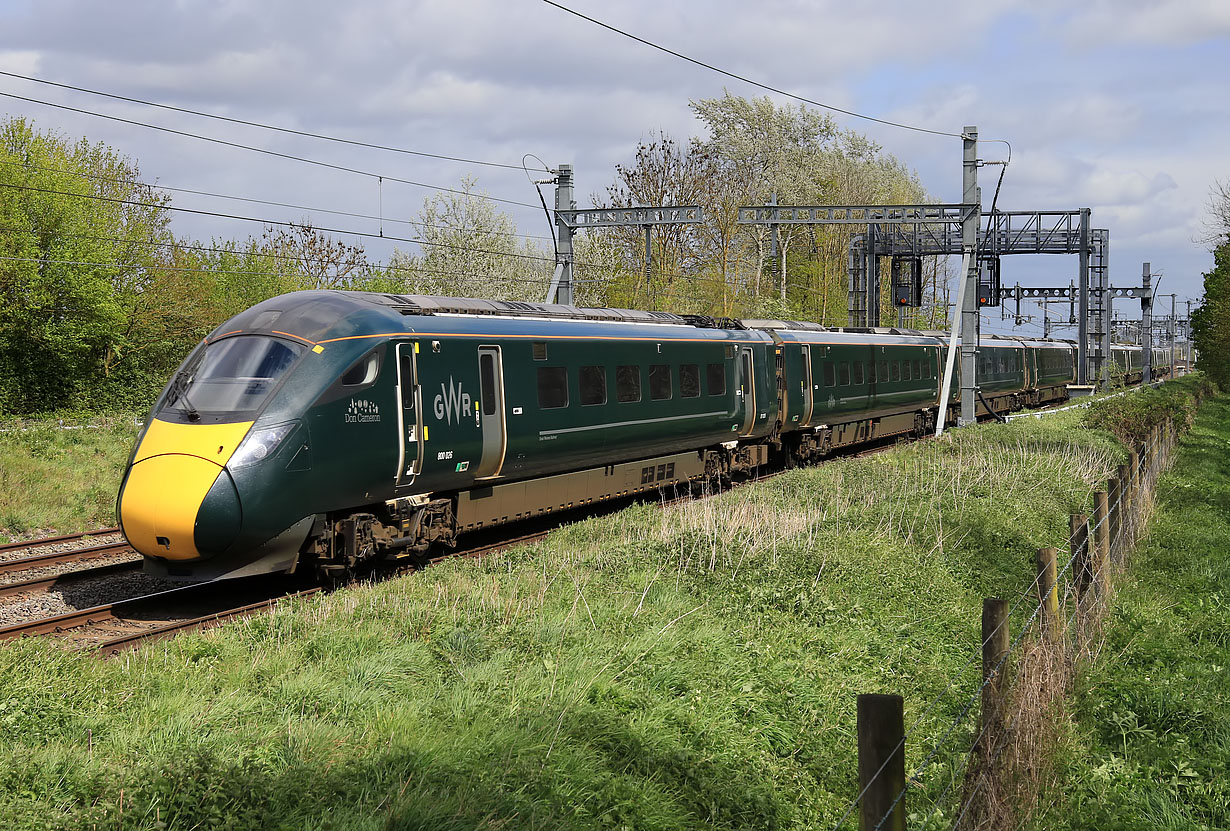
point(97, 614)
point(11, 546)
point(47, 582)
point(56, 557)
point(114, 646)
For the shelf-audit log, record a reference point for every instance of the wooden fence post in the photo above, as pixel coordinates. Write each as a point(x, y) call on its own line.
point(1048, 593)
point(1127, 499)
point(881, 762)
point(994, 653)
point(1100, 558)
point(1114, 492)
point(1078, 538)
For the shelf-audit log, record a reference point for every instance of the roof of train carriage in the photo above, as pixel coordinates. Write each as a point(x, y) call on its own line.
point(328, 316)
point(830, 335)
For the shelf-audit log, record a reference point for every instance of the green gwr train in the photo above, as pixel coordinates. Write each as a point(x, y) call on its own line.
point(331, 429)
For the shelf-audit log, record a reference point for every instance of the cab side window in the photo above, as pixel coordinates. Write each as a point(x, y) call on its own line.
point(364, 372)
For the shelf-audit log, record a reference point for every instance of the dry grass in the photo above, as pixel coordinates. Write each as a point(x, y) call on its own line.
point(1014, 763)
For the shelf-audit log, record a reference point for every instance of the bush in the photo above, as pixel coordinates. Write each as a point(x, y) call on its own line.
point(1131, 417)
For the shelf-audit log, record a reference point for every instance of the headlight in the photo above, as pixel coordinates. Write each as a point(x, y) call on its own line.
point(259, 444)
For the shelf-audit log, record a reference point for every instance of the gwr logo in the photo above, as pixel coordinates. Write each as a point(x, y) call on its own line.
point(453, 403)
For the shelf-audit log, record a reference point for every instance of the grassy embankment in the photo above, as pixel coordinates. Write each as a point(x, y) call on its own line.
point(693, 667)
point(1150, 743)
point(56, 481)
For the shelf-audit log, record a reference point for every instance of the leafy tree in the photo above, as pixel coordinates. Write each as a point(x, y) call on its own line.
point(75, 245)
point(471, 249)
point(755, 152)
point(1211, 322)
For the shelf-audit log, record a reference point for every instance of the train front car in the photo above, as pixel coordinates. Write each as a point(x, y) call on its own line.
point(221, 482)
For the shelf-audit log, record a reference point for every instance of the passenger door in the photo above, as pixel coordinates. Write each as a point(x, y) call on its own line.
point(809, 388)
point(747, 389)
point(409, 415)
point(491, 409)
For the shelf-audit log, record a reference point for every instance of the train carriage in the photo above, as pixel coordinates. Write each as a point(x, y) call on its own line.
point(346, 420)
point(338, 429)
point(1051, 367)
point(844, 387)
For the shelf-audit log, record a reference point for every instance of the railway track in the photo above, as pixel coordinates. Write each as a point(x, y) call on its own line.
point(31, 544)
point(75, 555)
point(112, 628)
point(49, 582)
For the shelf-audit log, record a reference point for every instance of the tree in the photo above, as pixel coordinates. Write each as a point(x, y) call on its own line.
point(471, 249)
point(664, 173)
point(79, 235)
point(1211, 321)
point(755, 151)
point(1217, 221)
point(315, 260)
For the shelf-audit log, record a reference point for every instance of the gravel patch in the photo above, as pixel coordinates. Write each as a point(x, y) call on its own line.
point(58, 547)
point(57, 569)
point(81, 594)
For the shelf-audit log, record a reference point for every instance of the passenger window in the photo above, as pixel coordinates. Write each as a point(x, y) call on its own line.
point(883, 370)
point(918, 369)
point(907, 375)
point(659, 382)
point(552, 387)
point(871, 372)
point(830, 375)
point(896, 365)
point(843, 370)
point(486, 382)
point(689, 380)
point(593, 385)
point(628, 383)
point(364, 372)
point(858, 373)
point(715, 377)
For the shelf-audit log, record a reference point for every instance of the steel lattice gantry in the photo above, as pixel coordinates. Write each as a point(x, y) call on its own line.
point(935, 230)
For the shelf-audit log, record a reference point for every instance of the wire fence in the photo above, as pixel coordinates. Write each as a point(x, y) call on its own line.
point(1095, 545)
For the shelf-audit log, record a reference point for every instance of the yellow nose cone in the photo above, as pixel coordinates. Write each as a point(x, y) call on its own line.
point(172, 471)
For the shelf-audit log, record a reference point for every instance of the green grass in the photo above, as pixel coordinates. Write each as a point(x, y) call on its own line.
point(693, 667)
point(1150, 743)
point(61, 481)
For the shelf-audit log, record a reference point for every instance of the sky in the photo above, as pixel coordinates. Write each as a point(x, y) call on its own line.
point(1114, 105)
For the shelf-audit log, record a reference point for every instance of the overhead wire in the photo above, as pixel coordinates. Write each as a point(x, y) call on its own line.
point(247, 123)
point(267, 152)
point(274, 222)
point(747, 80)
point(254, 201)
point(351, 232)
point(247, 272)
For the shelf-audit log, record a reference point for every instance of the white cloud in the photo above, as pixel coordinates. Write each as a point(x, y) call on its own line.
point(1162, 22)
point(1101, 104)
